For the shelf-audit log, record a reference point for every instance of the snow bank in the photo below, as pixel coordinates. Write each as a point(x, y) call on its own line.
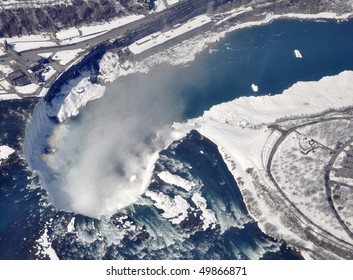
point(303, 98)
point(68, 34)
point(64, 57)
point(9, 96)
point(29, 42)
point(159, 38)
point(172, 2)
point(239, 129)
point(28, 89)
point(73, 96)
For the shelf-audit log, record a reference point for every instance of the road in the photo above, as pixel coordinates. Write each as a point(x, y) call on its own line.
point(328, 186)
point(302, 217)
point(129, 33)
point(121, 31)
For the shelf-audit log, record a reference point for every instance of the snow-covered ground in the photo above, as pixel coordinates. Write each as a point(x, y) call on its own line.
point(160, 38)
point(239, 129)
point(5, 86)
point(172, 2)
point(68, 36)
point(28, 89)
point(48, 73)
point(30, 42)
point(64, 57)
point(73, 96)
point(330, 92)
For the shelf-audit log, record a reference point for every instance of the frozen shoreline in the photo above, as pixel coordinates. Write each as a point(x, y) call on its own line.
point(218, 127)
point(239, 129)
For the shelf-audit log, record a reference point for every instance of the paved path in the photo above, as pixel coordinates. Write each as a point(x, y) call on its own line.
point(302, 217)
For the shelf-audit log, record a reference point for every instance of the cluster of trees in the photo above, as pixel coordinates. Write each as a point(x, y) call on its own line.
point(24, 20)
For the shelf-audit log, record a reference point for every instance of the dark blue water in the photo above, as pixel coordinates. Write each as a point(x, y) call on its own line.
point(264, 56)
point(261, 55)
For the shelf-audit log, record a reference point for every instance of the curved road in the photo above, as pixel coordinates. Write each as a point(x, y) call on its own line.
point(348, 246)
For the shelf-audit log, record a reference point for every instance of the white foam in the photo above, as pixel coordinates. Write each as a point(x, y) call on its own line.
point(5, 152)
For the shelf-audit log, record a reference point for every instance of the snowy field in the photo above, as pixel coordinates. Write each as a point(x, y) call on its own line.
point(301, 177)
point(239, 128)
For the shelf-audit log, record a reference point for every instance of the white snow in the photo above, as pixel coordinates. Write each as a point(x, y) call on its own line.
point(4, 86)
point(45, 55)
point(5, 152)
point(160, 5)
point(298, 54)
point(65, 57)
point(176, 180)
point(232, 13)
point(91, 30)
point(71, 225)
point(67, 34)
point(48, 73)
point(28, 89)
point(5, 69)
point(122, 21)
point(44, 246)
point(160, 38)
point(330, 92)
point(8, 96)
point(239, 129)
point(30, 42)
point(172, 2)
point(74, 96)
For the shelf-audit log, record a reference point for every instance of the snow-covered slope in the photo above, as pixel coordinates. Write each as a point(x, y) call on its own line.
point(240, 130)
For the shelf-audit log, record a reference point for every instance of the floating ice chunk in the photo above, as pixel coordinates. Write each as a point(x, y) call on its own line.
point(255, 88)
point(71, 225)
point(176, 180)
point(175, 209)
point(298, 54)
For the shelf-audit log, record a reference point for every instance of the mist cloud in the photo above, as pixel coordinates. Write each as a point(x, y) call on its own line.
point(102, 160)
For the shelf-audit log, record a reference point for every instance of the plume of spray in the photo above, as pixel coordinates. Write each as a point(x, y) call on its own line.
point(104, 160)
